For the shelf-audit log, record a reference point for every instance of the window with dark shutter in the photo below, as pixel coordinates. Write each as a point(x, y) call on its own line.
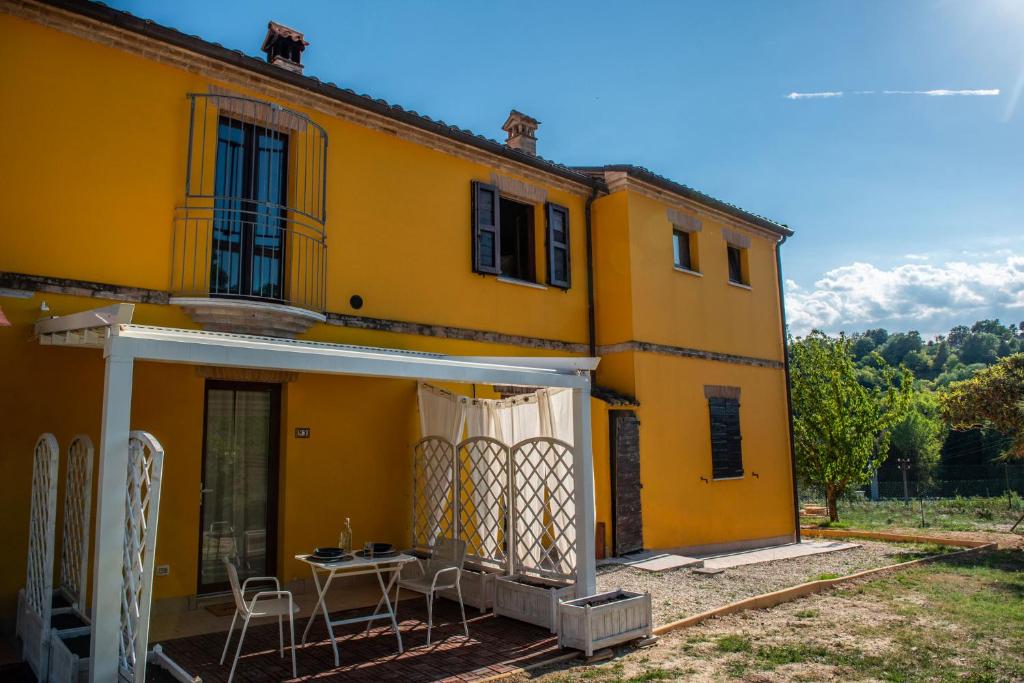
point(726, 443)
point(558, 246)
point(486, 229)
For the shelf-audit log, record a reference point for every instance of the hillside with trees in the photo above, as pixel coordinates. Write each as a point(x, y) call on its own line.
point(954, 446)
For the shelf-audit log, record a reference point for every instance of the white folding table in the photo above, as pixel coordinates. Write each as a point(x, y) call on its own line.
point(325, 572)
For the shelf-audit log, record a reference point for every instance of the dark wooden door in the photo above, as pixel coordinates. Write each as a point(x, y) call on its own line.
point(627, 518)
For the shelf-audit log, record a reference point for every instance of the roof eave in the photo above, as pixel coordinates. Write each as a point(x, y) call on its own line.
point(663, 183)
point(165, 34)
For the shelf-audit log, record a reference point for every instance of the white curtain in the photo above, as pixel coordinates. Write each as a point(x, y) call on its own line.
point(443, 414)
point(557, 404)
point(547, 413)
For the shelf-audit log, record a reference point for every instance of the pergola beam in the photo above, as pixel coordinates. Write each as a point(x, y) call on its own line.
point(127, 343)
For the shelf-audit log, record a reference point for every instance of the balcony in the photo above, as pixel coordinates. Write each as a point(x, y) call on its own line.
point(250, 250)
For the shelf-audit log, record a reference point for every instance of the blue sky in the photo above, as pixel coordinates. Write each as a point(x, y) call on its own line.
point(909, 208)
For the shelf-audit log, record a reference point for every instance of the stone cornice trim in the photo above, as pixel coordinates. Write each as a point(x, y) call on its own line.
point(99, 290)
point(275, 89)
point(685, 352)
point(449, 332)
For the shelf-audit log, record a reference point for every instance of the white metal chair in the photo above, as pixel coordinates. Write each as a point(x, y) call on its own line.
point(267, 603)
point(442, 570)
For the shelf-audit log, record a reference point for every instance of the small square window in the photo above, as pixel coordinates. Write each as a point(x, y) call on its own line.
point(737, 265)
point(683, 250)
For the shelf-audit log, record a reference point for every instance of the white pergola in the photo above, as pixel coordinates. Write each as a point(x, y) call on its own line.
point(123, 343)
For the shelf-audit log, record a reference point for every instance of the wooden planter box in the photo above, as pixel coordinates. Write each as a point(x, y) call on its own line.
point(531, 599)
point(477, 589)
point(603, 620)
point(69, 659)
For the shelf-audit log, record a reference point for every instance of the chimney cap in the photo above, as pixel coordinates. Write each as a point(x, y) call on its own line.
point(276, 31)
point(284, 46)
point(517, 119)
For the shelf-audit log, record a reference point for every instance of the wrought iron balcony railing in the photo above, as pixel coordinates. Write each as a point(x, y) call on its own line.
point(252, 225)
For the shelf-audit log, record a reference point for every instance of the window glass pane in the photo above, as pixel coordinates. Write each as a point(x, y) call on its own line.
point(558, 226)
point(681, 249)
point(485, 207)
point(487, 248)
point(517, 258)
point(735, 265)
point(561, 264)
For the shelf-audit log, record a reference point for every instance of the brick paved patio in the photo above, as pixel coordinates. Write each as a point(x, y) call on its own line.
point(495, 645)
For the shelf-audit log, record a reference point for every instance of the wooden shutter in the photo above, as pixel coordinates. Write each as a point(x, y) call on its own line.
point(726, 443)
point(559, 274)
point(486, 236)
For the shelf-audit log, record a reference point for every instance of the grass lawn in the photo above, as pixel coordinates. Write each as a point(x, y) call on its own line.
point(948, 514)
point(961, 618)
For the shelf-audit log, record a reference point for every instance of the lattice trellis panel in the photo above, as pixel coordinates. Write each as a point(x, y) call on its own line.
point(483, 500)
point(74, 555)
point(34, 619)
point(142, 508)
point(544, 504)
point(433, 481)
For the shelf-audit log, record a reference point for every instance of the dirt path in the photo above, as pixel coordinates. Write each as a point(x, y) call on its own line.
point(961, 618)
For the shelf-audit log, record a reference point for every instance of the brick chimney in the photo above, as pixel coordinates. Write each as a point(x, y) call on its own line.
point(521, 131)
point(284, 47)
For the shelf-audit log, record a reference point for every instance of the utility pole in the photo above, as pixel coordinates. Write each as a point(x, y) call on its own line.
point(904, 464)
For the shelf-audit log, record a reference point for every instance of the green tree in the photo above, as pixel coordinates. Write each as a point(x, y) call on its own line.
point(979, 347)
point(993, 398)
point(920, 434)
point(841, 428)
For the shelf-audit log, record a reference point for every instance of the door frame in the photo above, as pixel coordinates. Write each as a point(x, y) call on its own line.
point(273, 477)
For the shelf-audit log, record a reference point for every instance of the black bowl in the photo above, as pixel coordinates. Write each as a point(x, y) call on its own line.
point(328, 552)
point(382, 548)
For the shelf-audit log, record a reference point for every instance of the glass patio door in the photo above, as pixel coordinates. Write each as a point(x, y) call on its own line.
point(239, 482)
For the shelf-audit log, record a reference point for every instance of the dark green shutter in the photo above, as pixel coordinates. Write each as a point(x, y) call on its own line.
point(486, 237)
point(559, 264)
point(726, 442)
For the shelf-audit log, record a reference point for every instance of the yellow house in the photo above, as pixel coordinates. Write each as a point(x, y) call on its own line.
point(222, 192)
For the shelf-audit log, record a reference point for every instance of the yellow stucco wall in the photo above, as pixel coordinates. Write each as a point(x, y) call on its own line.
point(405, 204)
point(679, 309)
point(100, 135)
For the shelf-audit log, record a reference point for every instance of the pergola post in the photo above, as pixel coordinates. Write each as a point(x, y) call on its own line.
point(583, 474)
point(112, 490)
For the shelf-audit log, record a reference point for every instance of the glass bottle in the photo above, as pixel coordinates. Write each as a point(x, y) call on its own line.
point(345, 538)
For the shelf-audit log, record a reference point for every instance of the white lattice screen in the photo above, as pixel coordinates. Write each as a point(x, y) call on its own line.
point(483, 500)
point(433, 509)
point(74, 554)
point(142, 508)
point(521, 498)
point(34, 617)
point(544, 507)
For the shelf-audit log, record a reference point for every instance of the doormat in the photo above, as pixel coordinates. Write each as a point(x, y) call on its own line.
point(221, 609)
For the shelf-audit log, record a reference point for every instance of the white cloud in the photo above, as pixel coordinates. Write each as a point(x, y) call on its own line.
point(916, 257)
point(930, 298)
point(942, 92)
point(807, 95)
point(992, 92)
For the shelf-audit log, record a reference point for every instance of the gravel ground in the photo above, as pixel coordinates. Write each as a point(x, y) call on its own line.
point(680, 593)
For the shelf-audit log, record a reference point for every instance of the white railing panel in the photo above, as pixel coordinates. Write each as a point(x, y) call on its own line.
point(37, 604)
point(433, 509)
point(142, 508)
point(74, 555)
point(483, 501)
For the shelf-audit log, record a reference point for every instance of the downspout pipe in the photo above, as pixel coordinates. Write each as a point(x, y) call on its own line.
point(591, 314)
point(789, 389)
